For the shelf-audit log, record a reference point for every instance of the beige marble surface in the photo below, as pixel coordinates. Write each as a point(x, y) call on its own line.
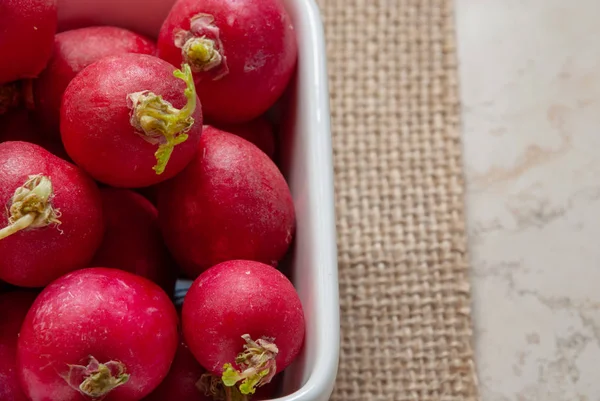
point(530, 82)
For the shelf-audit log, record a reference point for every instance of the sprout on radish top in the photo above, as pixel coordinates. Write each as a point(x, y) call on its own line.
point(96, 379)
point(225, 304)
point(161, 123)
point(31, 207)
point(201, 46)
point(257, 362)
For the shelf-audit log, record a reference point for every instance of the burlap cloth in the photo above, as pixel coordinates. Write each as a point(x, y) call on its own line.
point(406, 329)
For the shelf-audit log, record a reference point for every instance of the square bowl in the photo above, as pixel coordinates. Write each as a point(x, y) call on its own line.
point(307, 164)
point(308, 167)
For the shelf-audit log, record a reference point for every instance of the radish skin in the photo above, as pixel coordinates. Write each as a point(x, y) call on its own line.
point(242, 52)
point(53, 221)
point(243, 321)
point(231, 202)
point(26, 37)
point(131, 120)
point(97, 333)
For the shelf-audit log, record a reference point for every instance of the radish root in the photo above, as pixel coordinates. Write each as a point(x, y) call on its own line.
point(96, 379)
point(257, 365)
point(158, 122)
point(31, 206)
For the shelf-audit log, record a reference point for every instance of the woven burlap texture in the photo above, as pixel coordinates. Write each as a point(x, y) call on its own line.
point(405, 297)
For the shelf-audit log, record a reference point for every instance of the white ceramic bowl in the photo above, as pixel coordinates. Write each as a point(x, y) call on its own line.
point(308, 167)
point(306, 146)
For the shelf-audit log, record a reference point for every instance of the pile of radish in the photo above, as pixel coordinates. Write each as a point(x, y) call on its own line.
point(128, 162)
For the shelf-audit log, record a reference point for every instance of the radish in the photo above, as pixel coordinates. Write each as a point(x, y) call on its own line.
point(52, 223)
point(243, 321)
point(97, 332)
point(13, 308)
point(125, 117)
point(132, 240)
point(231, 202)
point(26, 35)
point(258, 131)
point(242, 53)
point(73, 51)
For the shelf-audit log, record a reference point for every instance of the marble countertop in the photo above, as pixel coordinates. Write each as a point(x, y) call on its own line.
point(530, 83)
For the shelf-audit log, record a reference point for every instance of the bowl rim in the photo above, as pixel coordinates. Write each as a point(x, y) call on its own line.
point(312, 66)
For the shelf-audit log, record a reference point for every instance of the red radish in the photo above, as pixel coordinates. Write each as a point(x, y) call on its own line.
point(243, 321)
point(28, 28)
point(97, 332)
point(258, 131)
point(242, 52)
point(13, 308)
point(73, 51)
point(52, 223)
point(231, 202)
point(132, 240)
point(10, 96)
point(125, 117)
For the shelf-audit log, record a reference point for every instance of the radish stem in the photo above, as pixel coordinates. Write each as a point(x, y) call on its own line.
point(257, 363)
point(31, 206)
point(201, 53)
point(233, 394)
point(212, 386)
point(201, 46)
point(97, 379)
point(158, 122)
point(18, 225)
